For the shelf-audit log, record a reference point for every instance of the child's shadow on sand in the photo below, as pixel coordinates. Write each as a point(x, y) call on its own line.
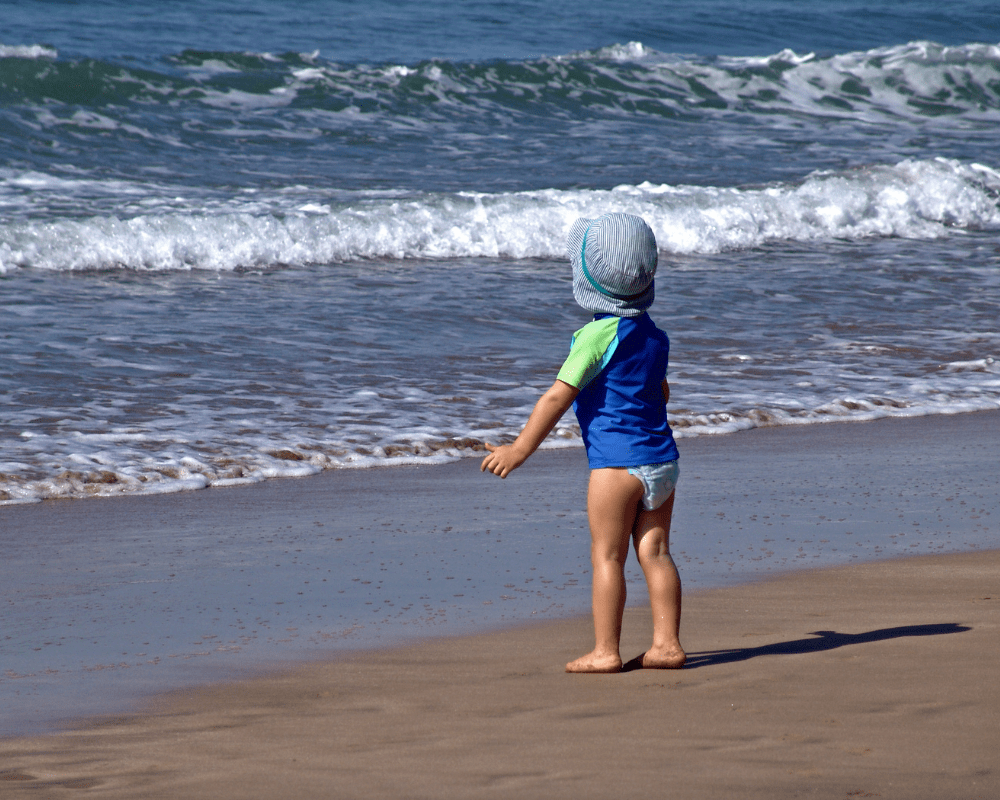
point(828, 640)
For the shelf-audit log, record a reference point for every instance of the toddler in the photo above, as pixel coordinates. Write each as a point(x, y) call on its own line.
point(615, 379)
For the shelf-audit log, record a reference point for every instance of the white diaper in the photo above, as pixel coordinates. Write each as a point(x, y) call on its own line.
point(658, 480)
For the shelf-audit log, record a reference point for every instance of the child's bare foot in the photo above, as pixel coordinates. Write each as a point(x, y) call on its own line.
point(596, 662)
point(663, 659)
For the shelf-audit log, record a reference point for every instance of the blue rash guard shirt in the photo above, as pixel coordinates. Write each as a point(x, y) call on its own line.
point(618, 364)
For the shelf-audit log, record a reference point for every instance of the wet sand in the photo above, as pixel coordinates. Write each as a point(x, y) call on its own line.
point(871, 679)
point(875, 680)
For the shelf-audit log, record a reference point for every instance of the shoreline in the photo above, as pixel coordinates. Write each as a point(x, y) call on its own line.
point(108, 602)
point(870, 680)
point(465, 453)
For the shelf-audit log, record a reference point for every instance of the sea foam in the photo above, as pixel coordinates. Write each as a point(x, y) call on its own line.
point(912, 199)
point(30, 51)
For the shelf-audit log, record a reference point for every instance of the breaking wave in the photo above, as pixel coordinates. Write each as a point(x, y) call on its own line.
point(912, 199)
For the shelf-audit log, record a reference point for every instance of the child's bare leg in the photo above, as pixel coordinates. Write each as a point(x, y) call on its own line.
point(652, 546)
point(612, 503)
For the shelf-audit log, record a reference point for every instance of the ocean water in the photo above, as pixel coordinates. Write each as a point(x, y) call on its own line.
point(242, 241)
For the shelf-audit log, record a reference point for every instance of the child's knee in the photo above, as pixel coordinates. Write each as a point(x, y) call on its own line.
point(652, 545)
point(652, 532)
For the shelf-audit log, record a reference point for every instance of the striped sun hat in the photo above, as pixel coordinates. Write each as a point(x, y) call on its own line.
point(614, 261)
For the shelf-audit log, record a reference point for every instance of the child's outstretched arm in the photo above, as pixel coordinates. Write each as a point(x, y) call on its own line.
point(550, 407)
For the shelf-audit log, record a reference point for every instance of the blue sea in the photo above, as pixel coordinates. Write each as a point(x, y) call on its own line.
point(263, 239)
point(259, 239)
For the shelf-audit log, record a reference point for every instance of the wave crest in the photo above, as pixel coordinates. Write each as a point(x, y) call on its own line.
point(915, 81)
point(30, 51)
point(914, 199)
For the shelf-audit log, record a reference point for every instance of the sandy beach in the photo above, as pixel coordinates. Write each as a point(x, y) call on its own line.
point(860, 678)
point(871, 681)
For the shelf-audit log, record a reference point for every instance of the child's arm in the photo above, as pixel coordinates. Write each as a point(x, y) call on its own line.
point(666, 391)
point(549, 408)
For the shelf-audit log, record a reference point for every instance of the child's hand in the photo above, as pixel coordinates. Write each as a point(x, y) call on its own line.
point(502, 460)
point(550, 407)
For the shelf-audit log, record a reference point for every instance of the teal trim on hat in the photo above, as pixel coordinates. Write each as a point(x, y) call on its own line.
point(586, 272)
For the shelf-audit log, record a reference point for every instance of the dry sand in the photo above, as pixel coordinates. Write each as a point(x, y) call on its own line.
point(876, 680)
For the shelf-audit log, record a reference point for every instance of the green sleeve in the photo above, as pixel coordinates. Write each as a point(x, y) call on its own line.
point(591, 350)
